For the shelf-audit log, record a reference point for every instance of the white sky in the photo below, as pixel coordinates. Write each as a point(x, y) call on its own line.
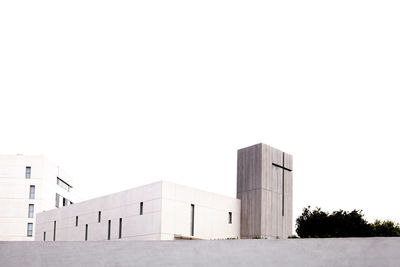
point(125, 93)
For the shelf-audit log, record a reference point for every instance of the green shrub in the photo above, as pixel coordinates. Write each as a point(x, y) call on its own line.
point(319, 224)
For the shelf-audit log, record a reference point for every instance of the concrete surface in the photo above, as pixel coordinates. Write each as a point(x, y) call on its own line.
point(166, 214)
point(292, 252)
point(266, 191)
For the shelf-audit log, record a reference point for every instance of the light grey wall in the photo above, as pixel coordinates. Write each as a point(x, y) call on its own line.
point(125, 205)
point(166, 213)
point(260, 188)
point(302, 252)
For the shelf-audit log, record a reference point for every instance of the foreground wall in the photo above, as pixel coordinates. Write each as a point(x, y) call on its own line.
point(310, 252)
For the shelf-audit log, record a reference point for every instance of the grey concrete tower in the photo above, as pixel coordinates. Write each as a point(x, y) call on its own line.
point(264, 185)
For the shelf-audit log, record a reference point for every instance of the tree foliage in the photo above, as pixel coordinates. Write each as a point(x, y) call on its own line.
point(385, 228)
point(318, 223)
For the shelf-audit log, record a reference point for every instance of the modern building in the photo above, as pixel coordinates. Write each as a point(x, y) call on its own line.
point(166, 211)
point(158, 211)
point(265, 186)
point(28, 185)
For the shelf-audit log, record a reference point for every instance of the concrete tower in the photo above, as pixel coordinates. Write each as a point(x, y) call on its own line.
point(264, 185)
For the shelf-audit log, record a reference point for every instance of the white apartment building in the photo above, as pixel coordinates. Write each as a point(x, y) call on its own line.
point(158, 211)
point(28, 185)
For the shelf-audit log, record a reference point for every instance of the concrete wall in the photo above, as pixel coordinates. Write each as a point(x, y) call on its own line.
point(14, 193)
point(264, 191)
point(352, 252)
point(166, 216)
point(211, 213)
point(125, 205)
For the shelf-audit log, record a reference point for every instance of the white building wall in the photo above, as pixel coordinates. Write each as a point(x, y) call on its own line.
point(211, 214)
point(125, 205)
point(166, 215)
point(14, 193)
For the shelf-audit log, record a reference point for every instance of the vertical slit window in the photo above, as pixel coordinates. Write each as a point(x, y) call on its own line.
point(99, 217)
point(76, 220)
point(230, 217)
point(28, 172)
point(44, 236)
point(120, 228)
point(141, 208)
point(54, 231)
point(32, 192)
point(192, 219)
point(30, 211)
point(86, 232)
point(29, 230)
point(283, 193)
point(109, 230)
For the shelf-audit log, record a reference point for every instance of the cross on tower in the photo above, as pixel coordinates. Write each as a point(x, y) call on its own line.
point(283, 180)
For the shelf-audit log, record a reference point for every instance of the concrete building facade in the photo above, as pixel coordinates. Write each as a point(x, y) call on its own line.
point(28, 185)
point(265, 188)
point(158, 211)
point(166, 211)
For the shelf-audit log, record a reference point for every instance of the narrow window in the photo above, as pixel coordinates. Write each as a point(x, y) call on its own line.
point(99, 217)
point(30, 229)
point(32, 192)
point(192, 219)
point(54, 231)
point(76, 220)
point(57, 200)
point(283, 193)
point(64, 201)
point(30, 211)
point(230, 217)
point(120, 228)
point(109, 230)
point(141, 208)
point(44, 236)
point(86, 232)
point(28, 172)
